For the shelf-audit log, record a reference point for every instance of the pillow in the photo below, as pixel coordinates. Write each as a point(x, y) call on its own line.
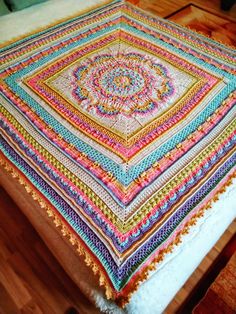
point(3, 8)
point(16, 5)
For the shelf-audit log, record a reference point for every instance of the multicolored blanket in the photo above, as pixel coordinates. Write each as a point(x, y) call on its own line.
point(122, 126)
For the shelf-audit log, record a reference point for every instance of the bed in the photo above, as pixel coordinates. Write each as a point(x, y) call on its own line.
point(119, 129)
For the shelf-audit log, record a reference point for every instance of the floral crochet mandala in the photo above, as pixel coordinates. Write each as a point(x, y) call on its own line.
point(123, 126)
point(118, 83)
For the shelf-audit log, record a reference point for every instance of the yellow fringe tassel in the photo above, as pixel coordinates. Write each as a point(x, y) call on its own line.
point(88, 258)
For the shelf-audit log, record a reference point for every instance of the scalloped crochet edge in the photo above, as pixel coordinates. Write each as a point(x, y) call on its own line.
point(207, 36)
point(182, 26)
point(89, 260)
point(60, 223)
point(122, 301)
point(92, 7)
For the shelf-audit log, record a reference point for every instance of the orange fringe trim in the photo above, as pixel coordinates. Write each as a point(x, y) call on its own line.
point(207, 36)
point(122, 301)
point(92, 7)
point(66, 231)
point(183, 26)
point(90, 261)
point(61, 224)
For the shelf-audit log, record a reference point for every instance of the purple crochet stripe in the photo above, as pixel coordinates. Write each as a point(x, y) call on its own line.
point(183, 210)
point(47, 36)
point(87, 208)
point(52, 194)
point(143, 252)
point(186, 33)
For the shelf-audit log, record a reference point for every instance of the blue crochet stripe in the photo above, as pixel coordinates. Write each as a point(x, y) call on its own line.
point(178, 51)
point(201, 39)
point(109, 165)
point(118, 275)
point(34, 178)
point(66, 24)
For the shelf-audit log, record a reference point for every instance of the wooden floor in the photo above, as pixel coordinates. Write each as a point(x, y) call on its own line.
point(191, 283)
point(164, 8)
point(31, 280)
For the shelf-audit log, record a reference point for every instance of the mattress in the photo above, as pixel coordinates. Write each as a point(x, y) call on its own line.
point(122, 127)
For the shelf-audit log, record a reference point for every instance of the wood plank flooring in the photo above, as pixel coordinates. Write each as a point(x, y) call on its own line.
point(32, 281)
point(164, 8)
point(181, 297)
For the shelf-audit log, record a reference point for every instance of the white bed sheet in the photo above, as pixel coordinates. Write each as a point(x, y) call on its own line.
point(155, 294)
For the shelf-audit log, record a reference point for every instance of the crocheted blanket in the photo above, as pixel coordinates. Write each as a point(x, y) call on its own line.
point(122, 126)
